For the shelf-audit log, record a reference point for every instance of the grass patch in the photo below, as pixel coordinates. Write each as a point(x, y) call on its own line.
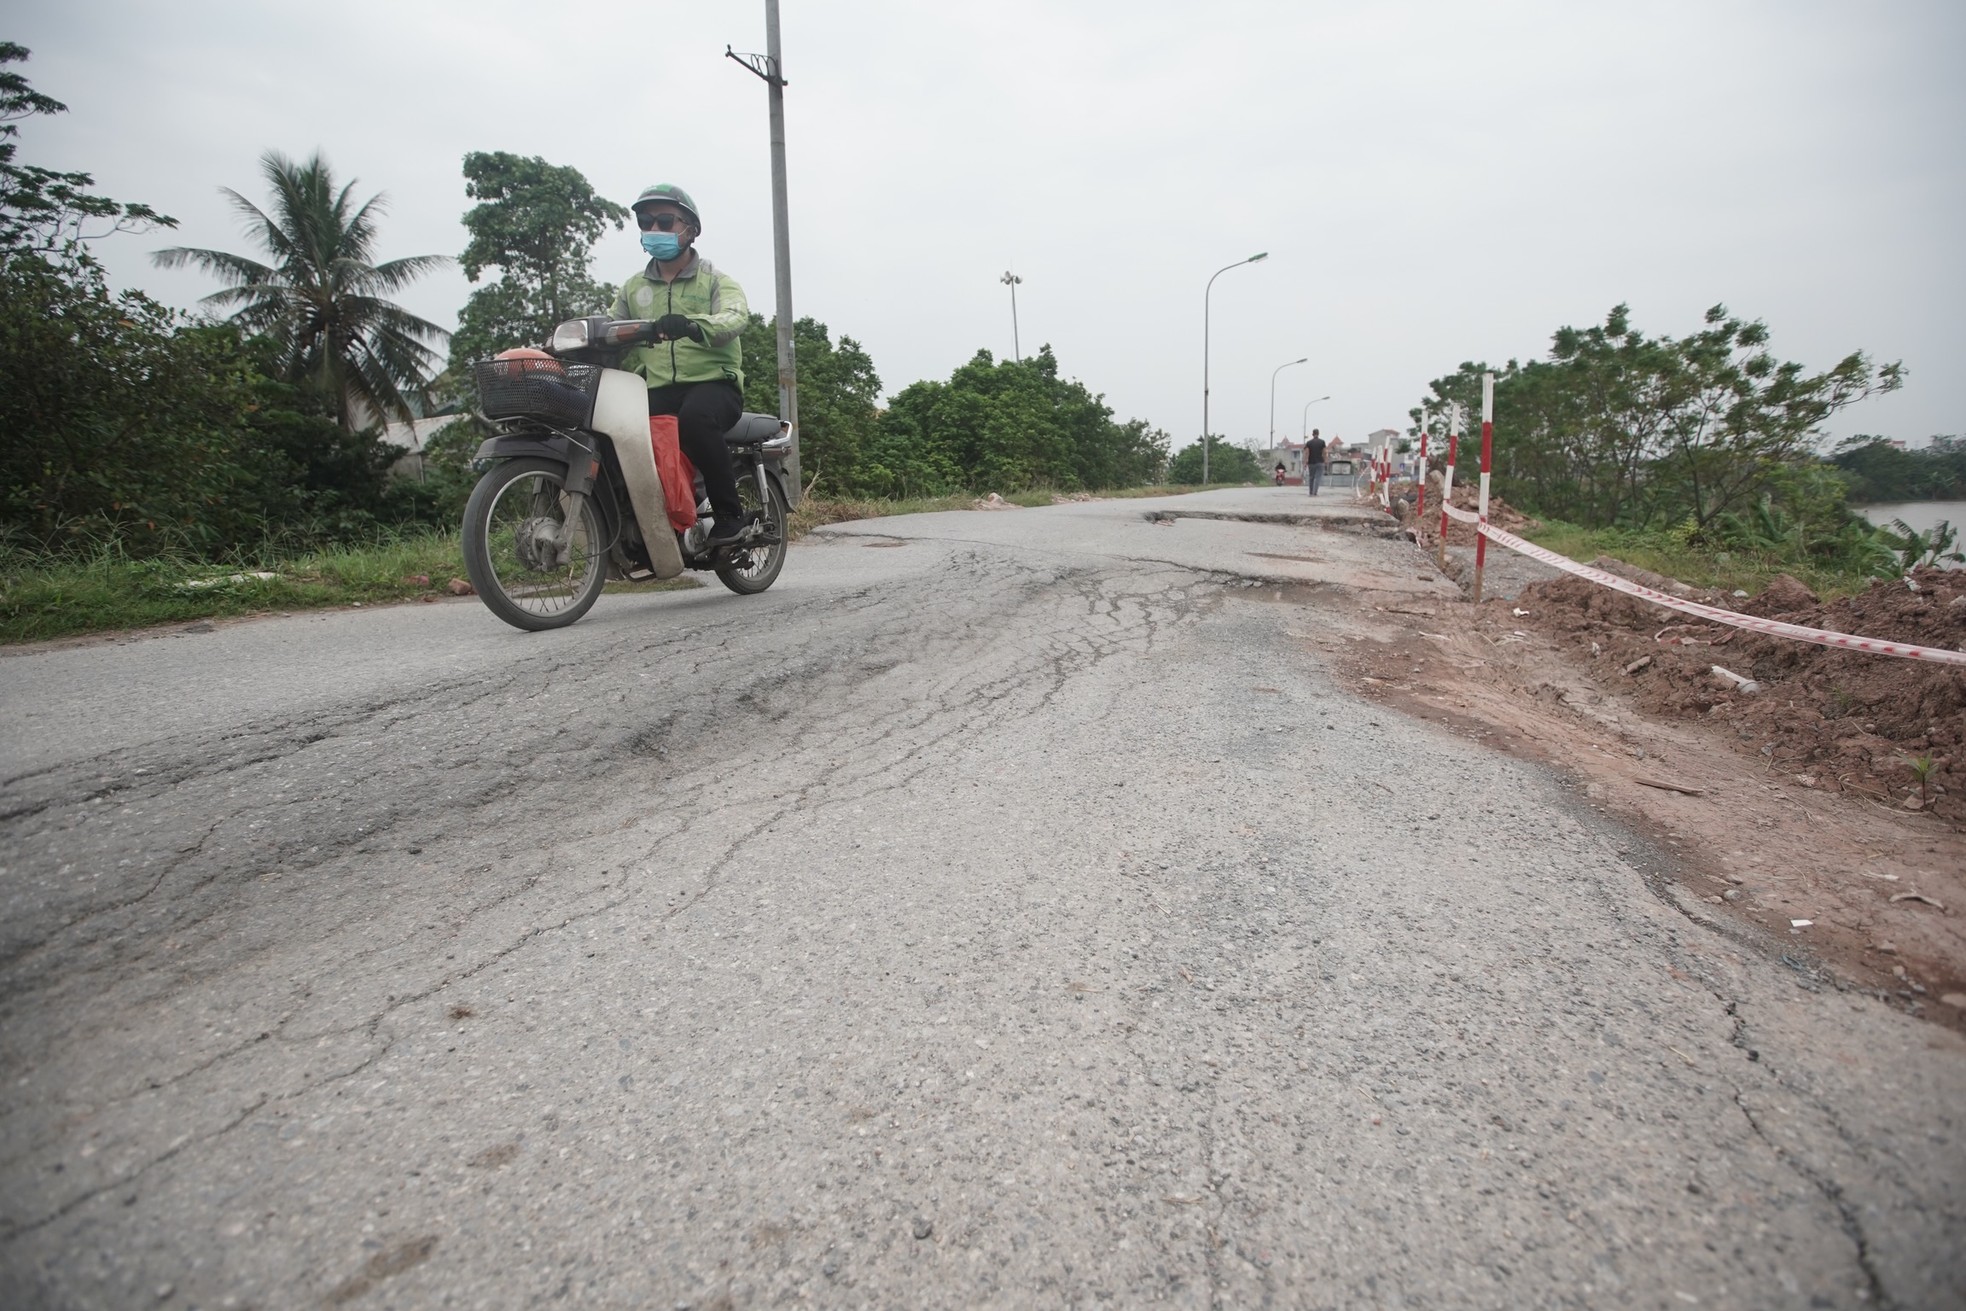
point(47, 597)
point(1724, 570)
point(42, 598)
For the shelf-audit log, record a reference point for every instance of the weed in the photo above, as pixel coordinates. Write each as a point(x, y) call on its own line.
point(1921, 769)
point(1913, 548)
point(1676, 554)
point(43, 597)
point(95, 586)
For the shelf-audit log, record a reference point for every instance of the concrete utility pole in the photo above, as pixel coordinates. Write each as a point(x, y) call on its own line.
point(770, 67)
point(1011, 280)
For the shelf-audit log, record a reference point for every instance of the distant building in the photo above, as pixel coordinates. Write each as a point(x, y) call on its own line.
point(1341, 466)
point(1290, 454)
point(410, 438)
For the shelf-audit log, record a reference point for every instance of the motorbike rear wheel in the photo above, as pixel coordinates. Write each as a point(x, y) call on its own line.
point(532, 568)
point(750, 570)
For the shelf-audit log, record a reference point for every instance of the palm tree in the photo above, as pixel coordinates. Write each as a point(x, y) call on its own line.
point(322, 299)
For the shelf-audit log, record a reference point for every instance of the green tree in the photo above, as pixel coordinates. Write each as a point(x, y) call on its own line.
point(110, 400)
point(1877, 470)
point(536, 224)
point(1007, 425)
point(121, 425)
point(1227, 463)
point(323, 299)
point(1735, 415)
point(1619, 428)
point(839, 400)
point(43, 210)
point(129, 425)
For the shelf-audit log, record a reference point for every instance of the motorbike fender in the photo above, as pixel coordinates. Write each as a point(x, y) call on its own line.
point(621, 414)
point(776, 472)
point(562, 450)
point(518, 446)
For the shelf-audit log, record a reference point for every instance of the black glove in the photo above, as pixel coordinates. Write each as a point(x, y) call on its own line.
point(672, 326)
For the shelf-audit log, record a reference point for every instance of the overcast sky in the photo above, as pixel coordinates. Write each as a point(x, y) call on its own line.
point(1433, 182)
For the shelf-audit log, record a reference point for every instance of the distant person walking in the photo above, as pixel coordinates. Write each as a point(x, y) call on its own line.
point(1314, 462)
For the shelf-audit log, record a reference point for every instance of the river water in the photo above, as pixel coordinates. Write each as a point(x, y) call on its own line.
point(1922, 515)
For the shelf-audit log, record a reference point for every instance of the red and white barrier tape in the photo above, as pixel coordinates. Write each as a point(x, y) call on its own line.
point(1465, 516)
point(1773, 627)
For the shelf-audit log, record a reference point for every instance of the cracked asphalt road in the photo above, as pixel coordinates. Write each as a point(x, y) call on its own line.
point(1004, 910)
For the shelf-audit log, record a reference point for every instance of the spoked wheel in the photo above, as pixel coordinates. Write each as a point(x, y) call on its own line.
point(532, 567)
point(750, 569)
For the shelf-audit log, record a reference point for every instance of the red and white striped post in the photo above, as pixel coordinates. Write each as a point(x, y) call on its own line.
point(1447, 479)
point(1420, 506)
point(1487, 463)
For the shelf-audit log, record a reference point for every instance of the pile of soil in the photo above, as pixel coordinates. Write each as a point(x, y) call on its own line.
point(1831, 719)
point(1467, 497)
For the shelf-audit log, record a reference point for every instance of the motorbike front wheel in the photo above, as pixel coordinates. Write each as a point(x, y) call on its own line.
point(532, 567)
point(750, 570)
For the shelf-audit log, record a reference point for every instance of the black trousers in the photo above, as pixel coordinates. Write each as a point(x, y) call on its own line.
point(704, 412)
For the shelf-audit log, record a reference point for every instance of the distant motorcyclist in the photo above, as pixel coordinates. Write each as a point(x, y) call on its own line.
point(695, 369)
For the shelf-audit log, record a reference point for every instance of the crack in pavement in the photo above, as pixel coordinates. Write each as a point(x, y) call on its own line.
point(543, 806)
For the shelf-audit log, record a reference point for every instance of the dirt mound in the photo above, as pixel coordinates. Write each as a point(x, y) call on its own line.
point(1783, 596)
point(1832, 719)
point(1468, 497)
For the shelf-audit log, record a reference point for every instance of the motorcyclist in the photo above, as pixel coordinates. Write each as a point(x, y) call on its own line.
point(695, 368)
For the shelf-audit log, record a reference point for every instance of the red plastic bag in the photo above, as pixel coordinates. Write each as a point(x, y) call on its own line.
point(678, 474)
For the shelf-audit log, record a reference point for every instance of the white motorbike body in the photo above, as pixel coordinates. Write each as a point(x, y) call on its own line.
point(621, 414)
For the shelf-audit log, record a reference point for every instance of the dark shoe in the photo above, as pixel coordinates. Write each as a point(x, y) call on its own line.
point(729, 534)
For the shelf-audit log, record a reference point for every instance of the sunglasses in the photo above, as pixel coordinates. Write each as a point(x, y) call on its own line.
point(667, 222)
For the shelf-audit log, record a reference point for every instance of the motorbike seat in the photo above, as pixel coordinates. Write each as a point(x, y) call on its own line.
point(752, 429)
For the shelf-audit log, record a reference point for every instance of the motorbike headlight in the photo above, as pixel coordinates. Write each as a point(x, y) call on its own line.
point(572, 335)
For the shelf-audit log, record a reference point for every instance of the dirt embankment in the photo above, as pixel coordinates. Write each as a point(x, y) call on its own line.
point(1819, 818)
point(1845, 721)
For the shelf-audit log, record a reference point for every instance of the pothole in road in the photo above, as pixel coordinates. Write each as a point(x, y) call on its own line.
point(1370, 525)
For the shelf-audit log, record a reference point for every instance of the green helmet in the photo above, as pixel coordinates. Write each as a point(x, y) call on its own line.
point(674, 195)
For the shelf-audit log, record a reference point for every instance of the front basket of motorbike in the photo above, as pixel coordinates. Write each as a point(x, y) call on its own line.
point(546, 390)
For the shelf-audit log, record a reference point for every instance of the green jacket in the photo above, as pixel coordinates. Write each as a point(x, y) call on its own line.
point(708, 297)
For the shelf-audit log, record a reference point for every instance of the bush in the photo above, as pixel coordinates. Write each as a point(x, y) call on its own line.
point(122, 423)
point(1227, 463)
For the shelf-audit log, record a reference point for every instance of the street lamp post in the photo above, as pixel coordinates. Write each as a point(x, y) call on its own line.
point(1206, 292)
point(1011, 280)
point(1306, 424)
point(1273, 396)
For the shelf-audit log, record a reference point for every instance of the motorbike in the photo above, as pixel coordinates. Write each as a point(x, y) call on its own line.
point(574, 496)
